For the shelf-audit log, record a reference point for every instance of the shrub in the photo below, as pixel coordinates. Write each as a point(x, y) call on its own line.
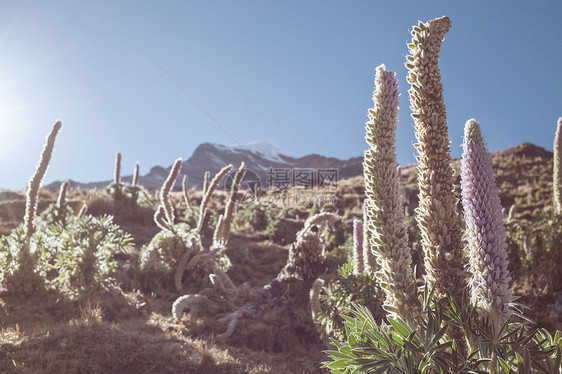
point(22, 260)
point(287, 212)
point(256, 215)
point(59, 212)
point(21, 251)
point(423, 347)
point(177, 251)
point(80, 257)
point(279, 232)
point(127, 196)
point(536, 251)
point(344, 290)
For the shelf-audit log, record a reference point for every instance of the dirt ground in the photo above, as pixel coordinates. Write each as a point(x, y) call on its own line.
point(128, 331)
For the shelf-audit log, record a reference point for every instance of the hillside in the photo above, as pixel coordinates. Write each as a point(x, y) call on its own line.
point(129, 330)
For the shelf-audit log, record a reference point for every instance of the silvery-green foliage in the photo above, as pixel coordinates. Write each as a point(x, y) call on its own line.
point(128, 196)
point(347, 288)
point(401, 347)
point(510, 345)
point(256, 215)
point(20, 252)
point(286, 212)
point(75, 258)
point(398, 346)
point(81, 255)
point(57, 214)
point(167, 247)
point(22, 260)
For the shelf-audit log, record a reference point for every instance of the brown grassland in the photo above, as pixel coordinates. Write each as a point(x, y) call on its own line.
point(129, 331)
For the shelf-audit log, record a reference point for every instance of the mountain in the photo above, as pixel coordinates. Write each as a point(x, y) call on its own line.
point(260, 157)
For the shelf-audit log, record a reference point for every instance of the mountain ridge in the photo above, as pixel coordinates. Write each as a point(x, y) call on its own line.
point(259, 157)
point(212, 157)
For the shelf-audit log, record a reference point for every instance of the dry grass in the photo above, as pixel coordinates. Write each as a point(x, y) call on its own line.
point(118, 332)
point(48, 334)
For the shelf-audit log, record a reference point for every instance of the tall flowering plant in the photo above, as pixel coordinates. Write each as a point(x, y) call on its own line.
point(447, 335)
point(485, 230)
point(386, 224)
point(557, 170)
point(437, 214)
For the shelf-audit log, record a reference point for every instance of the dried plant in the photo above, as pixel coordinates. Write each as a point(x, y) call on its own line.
point(307, 252)
point(206, 181)
point(177, 252)
point(248, 311)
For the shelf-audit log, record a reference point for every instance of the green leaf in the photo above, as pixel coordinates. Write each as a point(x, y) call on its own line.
point(504, 365)
point(339, 354)
point(412, 347)
point(557, 362)
point(527, 362)
point(439, 335)
point(381, 339)
point(399, 326)
point(397, 340)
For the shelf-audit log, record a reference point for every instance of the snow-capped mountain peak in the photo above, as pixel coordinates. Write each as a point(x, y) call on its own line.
point(265, 149)
point(259, 157)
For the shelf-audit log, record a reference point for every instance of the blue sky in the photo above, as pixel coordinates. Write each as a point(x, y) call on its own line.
point(291, 72)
